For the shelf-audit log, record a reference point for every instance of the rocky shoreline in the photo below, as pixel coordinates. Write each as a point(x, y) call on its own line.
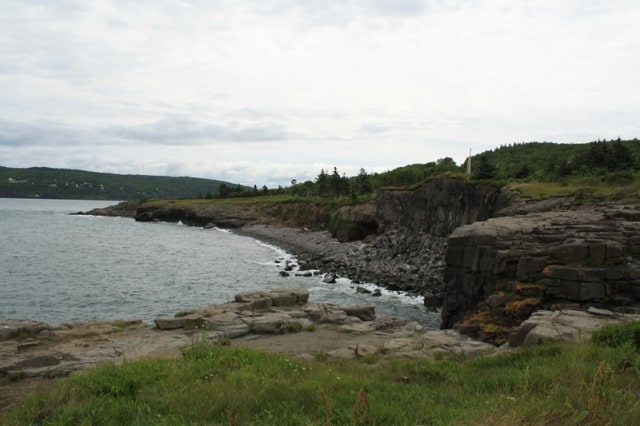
point(396, 258)
point(482, 254)
point(410, 263)
point(283, 320)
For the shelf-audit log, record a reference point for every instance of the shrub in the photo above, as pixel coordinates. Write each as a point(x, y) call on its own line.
point(295, 327)
point(618, 335)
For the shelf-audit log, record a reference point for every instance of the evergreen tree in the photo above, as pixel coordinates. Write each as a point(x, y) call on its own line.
point(621, 157)
point(484, 169)
point(322, 182)
point(223, 190)
point(523, 172)
point(363, 183)
point(335, 183)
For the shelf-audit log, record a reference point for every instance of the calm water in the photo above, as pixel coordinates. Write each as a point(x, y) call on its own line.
point(58, 267)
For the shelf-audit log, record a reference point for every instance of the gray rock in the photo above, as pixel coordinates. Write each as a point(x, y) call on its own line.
point(566, 325)
point(329, 278)
point(10, 329)
point(229, 324)
point(188, 322)
point(575, 254)
point(364, 312)
point(268, 323)
point(365, 350)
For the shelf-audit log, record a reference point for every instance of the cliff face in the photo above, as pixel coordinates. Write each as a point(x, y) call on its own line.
point(501, 270)
point(408, 253)
point(496, 270)
point(439, 206)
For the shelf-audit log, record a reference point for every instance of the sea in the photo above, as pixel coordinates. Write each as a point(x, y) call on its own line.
point(60, 267)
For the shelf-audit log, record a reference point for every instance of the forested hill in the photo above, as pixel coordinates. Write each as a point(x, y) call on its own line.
point(43, 182)
point(547, 161)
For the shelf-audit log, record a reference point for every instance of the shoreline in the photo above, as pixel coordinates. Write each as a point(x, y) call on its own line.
point(311, 248)
point(318, 251)
point(395, 261)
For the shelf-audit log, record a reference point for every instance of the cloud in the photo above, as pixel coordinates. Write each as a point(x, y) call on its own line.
point(261, 90)
point(19, 135)
point(182, 131)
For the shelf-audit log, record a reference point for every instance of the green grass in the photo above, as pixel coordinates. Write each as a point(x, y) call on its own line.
point(237, 201)
point(259, 200)
point(213, 384)
point(584, 190)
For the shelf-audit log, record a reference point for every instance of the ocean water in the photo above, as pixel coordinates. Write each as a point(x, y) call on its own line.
point(58, 267)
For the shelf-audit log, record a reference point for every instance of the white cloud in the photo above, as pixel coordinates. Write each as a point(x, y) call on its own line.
point(259, 91)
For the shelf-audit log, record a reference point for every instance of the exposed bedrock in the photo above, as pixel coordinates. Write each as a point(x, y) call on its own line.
point(195, 216)
point(439, 206)
point(412, 225)
point(501, 270)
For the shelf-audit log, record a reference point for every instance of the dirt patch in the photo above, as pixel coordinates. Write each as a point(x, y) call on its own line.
point(13, 392)
point(324, 339)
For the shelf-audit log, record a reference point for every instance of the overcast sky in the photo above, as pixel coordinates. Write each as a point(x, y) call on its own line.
point(265, 91)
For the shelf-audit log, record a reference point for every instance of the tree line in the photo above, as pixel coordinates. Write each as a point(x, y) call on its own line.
point(615, 161)
point(336, 184)
point(545, 161)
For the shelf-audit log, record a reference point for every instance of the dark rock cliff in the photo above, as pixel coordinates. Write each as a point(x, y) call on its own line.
point(501, 270)
point(235, 215)
point(408, 253)
point(193, 216)
point(439, 206)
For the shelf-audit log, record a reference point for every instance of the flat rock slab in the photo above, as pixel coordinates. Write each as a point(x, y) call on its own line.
point(566, 325)
point(15, 329)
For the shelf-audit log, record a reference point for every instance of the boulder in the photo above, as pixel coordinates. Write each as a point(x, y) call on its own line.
point(288, 296)
point(330, 278)
point(229, 324)
point(315, 311)
point(566, 325)
point(365, 350)
point(190, 321)
point(283, 296)
point(333, 315)
point(361, 328)
point(364, 312)
point(267, 312)
point(268, 323)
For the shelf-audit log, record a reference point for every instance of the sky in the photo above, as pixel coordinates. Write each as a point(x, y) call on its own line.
point(260, 92)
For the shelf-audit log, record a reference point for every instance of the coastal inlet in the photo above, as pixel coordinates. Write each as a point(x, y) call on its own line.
point(56, 267)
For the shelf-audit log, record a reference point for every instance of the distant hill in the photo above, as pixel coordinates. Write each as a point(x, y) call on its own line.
point(44, 182)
